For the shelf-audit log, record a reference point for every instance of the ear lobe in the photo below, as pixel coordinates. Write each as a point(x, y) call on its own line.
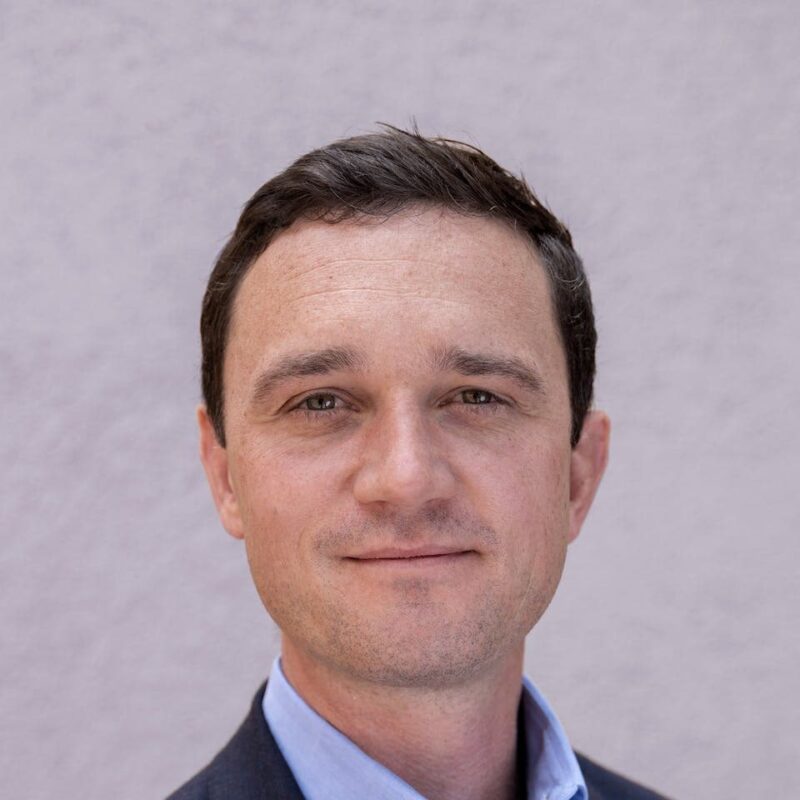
point(587, 465)
point(215, 462)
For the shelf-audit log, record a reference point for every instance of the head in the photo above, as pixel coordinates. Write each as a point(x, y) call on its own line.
point(398, 358)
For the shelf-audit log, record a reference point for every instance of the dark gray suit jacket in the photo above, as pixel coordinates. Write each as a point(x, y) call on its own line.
point(251, 767)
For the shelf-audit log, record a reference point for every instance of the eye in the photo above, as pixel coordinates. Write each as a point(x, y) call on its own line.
point(478, 397)
point(323, 401)
point(320, 410)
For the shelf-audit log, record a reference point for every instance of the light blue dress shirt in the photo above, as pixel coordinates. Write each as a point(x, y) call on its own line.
point(328, 766)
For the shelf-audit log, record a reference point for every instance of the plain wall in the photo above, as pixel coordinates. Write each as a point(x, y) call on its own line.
point(665, 135)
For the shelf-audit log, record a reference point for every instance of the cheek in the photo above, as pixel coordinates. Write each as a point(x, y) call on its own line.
point(267, 528)
point(281, 499)
point(529, 485)
point(274, 484)
point(278, 520)
point(531, 509)
point(536, 520)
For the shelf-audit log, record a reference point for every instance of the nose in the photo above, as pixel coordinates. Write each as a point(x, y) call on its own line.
point(401, 464)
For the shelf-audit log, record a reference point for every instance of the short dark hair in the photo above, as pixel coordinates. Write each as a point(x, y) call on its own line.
point(376, 175)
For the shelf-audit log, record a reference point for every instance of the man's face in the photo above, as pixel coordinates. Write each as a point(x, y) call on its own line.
point(398, 454)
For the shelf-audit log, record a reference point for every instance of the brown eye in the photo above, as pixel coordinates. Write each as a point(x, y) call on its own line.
point(477, 397)
point(320, 402)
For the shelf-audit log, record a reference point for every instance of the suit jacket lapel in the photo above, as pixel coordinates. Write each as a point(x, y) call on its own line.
point(250, 766)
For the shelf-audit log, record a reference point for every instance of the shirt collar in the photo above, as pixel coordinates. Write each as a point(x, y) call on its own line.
point(555, 774)
point(328, 766)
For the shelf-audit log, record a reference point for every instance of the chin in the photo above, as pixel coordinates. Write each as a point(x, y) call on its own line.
point(416, 656)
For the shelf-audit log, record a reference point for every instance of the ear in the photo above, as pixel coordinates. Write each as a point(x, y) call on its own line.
point(587, 464)
point(215, 462)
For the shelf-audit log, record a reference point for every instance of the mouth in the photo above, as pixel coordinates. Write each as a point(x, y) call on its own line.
point(411, 557)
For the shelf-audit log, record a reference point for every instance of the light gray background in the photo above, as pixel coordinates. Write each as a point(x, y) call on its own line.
point(665, 134)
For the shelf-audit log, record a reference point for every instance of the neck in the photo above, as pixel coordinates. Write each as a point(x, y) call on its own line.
point(457, 742)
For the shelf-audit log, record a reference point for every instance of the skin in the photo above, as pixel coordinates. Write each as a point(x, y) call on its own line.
point(406, 522)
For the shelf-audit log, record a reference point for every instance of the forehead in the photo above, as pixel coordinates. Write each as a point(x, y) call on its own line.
point(422, 277)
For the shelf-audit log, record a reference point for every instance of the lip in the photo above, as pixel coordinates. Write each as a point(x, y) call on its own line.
point(403, 553)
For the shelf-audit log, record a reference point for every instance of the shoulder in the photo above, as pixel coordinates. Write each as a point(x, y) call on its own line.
point(249, 767)
point(194, 789)
point(603, 784)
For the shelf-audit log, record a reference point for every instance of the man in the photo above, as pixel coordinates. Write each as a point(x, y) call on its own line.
point(398, 358)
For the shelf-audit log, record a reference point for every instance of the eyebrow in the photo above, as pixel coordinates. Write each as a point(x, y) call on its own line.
point(317, 362)
point(455, 359)
point(450, 359)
